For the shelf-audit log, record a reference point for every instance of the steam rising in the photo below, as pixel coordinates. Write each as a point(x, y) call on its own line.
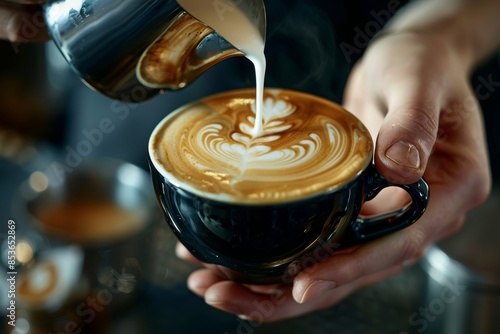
point(302, 50)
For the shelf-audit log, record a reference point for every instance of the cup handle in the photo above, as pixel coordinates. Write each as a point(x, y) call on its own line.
point(368, 228)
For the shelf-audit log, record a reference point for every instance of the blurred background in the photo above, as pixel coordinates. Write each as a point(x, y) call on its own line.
point(124, 280)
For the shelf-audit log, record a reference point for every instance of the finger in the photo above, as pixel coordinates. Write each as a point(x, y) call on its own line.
point(22, 23)
point(406, 138)
point(184, 254)
point(407, 246)
point(410, 93)
point(280, 304)
point(408, 133)
point(200, 280)
point(235, 298)
point(388, 200)
point(342, 269)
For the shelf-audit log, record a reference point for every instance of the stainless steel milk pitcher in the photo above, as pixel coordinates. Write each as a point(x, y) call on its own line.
point(132, 50)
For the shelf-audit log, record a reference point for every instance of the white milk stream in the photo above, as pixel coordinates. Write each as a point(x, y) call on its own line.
point(225, 17)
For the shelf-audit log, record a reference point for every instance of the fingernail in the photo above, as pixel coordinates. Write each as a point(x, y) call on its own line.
point(245, 317)
point(316, 289)
point(404, 154)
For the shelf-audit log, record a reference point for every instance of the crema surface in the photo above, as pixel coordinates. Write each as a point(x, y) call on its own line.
point(307, 145)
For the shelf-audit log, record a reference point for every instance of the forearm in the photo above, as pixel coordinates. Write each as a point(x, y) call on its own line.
point(472, 27)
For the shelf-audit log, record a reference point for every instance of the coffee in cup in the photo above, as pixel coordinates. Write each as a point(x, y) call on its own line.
point(305, 147)
point(89, 221)
point(260, 203)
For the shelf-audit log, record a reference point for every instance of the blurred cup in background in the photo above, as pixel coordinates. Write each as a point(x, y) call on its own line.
point(82, 244)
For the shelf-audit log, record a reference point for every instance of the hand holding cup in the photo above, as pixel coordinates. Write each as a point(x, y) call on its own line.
point(264, 207)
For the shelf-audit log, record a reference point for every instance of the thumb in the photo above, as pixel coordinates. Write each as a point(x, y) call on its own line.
point(408, 133)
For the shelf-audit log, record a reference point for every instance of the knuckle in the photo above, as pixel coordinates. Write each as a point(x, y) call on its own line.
point(421, 121)
point(457, 112)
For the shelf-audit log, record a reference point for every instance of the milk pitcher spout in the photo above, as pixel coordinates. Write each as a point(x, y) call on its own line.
point(132, 50)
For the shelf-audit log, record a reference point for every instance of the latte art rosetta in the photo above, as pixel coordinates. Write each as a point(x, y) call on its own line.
point(305, 147)
point(256, 158)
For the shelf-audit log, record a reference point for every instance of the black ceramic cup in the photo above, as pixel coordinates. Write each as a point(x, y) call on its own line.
point(264, 243)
